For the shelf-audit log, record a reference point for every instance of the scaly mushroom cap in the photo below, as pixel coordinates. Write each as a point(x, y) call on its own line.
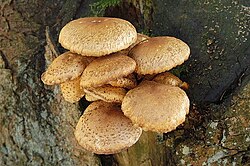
point(107, 93)
point(107, 68)
point(140, 38)
point(97, 36)
point(128, 82)
point(71, 90)
point(156, 107)
point(103, 129)
point(90, 97)
point(65, 67)
point(170, 79)
point(159, 54)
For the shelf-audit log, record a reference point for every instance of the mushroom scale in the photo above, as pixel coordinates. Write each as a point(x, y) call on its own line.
point(103, 129)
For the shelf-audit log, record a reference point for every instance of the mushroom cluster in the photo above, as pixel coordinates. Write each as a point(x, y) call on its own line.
point(124, 74)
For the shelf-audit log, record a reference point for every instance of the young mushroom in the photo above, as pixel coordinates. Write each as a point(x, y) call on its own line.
point(107, 93)
point(65, 67)
point(156, 107)
point(159, 54)
point(71, 90)
point(90, 97)
point(103, 129)
point(170, 79)
point(107, 68)
point(128, 82)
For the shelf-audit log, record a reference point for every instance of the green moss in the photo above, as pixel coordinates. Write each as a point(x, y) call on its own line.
point(98, 8)
point(147, 14)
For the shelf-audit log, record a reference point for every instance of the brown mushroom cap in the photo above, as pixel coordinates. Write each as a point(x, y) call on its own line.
point(107, 93)
point(156, 107)
point(170, 79)
point(71, 90)
point(140, 38)
point(107, 68)
point(65, 67)
point(90, 97)
point(128, 82)
point(103, 129)
point(97, 36)
point(159, 54)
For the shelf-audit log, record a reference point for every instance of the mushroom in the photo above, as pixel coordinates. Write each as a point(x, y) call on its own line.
point(103, 129)
point(90, 97)
point(170, 79)
point(71, 90)
point(65, 67)
point(159, 54)
point(97, 36)
point(140, 38)
point(107, 93)
point(156, 107)
point(107, 68)
point(128, 82)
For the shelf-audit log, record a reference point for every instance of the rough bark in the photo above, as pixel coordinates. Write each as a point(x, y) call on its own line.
point(37, 124)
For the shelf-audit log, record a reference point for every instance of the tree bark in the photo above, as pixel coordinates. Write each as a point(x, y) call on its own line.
point(36, 123)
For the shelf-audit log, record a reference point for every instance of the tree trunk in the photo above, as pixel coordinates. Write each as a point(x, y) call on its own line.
point(37, 124)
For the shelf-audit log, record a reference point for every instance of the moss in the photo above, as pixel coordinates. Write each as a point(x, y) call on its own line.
point(98, 8)
point(146, 9)
point(147, 14)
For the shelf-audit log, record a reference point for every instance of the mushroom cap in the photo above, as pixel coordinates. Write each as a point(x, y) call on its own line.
point(140, 38)
point(97, 36)
point(65, 67)
point(103, 129)
point(71, 90)
point(156, 107)
point(107, 93)
point(89, 97)
point(107, 68)
point(170, 79)
point(159, 54)
point(128, 82)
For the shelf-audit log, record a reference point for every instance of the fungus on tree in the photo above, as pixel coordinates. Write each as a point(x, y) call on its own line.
point(103, 129)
